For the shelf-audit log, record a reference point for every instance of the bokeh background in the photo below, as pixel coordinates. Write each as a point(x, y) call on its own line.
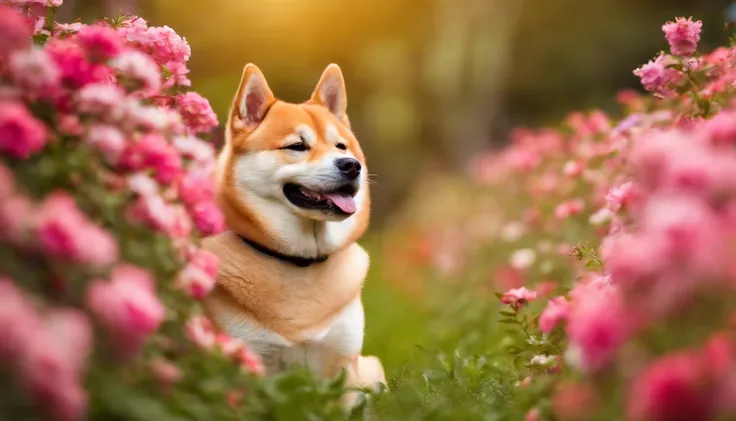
point(431, 85)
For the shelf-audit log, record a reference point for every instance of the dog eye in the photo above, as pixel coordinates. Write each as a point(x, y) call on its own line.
point(341, 146)
point(299, 147)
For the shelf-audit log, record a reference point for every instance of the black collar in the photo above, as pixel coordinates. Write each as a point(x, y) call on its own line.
point(301, 262)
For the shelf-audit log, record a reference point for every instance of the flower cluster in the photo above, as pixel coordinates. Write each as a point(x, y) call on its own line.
point(105, 191)
point(616, 241)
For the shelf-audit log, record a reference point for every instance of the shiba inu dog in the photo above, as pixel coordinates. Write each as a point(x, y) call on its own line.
point(292, 183)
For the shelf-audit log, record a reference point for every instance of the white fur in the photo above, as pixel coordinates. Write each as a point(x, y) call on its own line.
point(260, 178)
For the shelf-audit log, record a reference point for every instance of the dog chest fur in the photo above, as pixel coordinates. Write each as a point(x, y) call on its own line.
point(289, 314)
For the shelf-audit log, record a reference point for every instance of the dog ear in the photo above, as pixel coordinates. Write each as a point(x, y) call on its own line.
point(330, 92)
point(253, 98)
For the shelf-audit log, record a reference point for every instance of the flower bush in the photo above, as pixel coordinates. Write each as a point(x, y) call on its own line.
point(104, 193)
point(619, 286)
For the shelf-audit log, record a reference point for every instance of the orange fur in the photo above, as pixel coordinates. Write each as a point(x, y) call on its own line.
point(272, 304)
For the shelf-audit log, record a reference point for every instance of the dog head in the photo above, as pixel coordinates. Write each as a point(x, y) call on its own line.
point(293, 175)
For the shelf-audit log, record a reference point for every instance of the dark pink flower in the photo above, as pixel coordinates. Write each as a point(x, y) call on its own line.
point(671, 388)
point(127, 306)
point(197, 112)
point(20, 133)
point(100, 41)
point(194, 188)
point(207, 218)
point(683, 36)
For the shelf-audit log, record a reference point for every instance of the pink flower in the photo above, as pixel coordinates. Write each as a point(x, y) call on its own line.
point(154, 212)
point(19, 322)
point(126, 306)
point(34, 72)
point(671, 388)
point(179, 72)
point(195, 188)
point(100, 41)
point(573, 168)
point(596, 327)
point(518, 297)
point(683, 36)
point(196, 111)
point(206, 261)
point(15, 33)
point(20, 133)
point(153, 151)
point(141, 69)
point(70, 59)
point(207, 218)
point(618, 195)
point(195, 148)
point(569, 208)
point(107, 140)
point(142, 184)
point(250, 361)
point(574, 402)
point(165, 372)
point(195, 281)
point(100, 99)
point(558, 310)
point(15, 218)
point(53, 362)
point(656, 76)
point(201, 331)
point(166, 46)
point(532, 415)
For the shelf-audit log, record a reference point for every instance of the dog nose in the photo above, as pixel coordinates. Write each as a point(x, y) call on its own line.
point(350, 167)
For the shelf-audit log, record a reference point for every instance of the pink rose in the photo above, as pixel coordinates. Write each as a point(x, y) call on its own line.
point(140, 69)
point(201, 331)
point(673, 387)
point(683, 36)
point(208, 218)
point(558, 310)
point(127, 306)
point(19, 321)
point(197, 112)
point(198, 277)
point(20, 133)
point(195, 188)
point(107, 140)
point(518, 297)
point(100, 41)
point(35, 72)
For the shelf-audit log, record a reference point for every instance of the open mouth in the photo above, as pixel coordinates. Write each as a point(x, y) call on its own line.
point(341, 200)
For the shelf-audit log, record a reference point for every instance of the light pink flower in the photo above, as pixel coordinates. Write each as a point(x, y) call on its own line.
point(165, 372)
point(518, 297)
point(155, 152)
point(19, 322)
point(34, 72)
point(142, 184)
point(195, 282)
point(166, 46)
point(20, 133)
point(155, 212)
point(179, 72)
point(206, 261)
point(569, 208)
point(195, 148)
point(558, 310)
point(100, 99)
point(15, 218)
point(671, 388)
point(201, 331)
point(617, 196)
point(207, 218)
point(127, 306)
point(656, 75)
point(197, 112)
point(107, 140)
point(140, 68)
point(53, 363)
point(100, 41)
point(683, 35)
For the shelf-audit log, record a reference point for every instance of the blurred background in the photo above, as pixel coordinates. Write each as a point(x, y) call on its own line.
point(431, 85)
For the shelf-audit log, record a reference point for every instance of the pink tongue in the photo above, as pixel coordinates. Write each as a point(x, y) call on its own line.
point(346, 203)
